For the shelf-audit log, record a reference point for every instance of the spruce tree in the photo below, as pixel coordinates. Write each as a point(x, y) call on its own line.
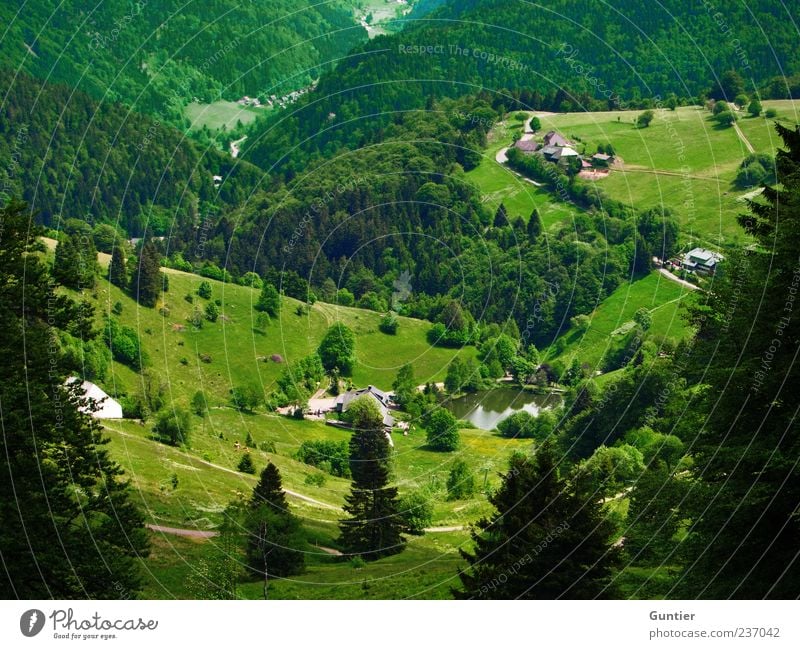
point(68, 528)
point(500, 217)
point(745, 529)
point(548, 539)
point(534, 226)
point(269, 490)
point(375, 525)
point(117, 270)
point(75, 264)
point(146, 279)
point(275, 539)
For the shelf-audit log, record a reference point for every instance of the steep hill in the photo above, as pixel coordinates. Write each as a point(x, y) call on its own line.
point(69, 155)
point(159, 56)
point(557, 55)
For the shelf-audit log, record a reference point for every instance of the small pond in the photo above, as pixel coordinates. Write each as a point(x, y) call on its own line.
point(485, 408)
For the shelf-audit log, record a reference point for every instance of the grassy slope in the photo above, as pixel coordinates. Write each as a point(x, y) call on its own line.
point(220, 113)
point(664, 298)
point(206, 475)
point(238, 352)
point(684, 142)
point(499, 184)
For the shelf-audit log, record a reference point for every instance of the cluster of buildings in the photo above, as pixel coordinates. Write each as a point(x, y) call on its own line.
point(275, 100)
point(699, 260)
point(555, 148)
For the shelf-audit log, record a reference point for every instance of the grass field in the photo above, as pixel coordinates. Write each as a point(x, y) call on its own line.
point(662, 297)
point(219, 114)
point(499, 184)
point(683, 161)
point(239, 354)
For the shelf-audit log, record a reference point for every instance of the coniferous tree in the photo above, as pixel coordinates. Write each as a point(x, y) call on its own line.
point(745, 530)
point(375, 525)
point(547, 539)
point(501, 216)
point(75, 264)
point(56, 478)
point(275, 539)
point(534, 226)
point(146, 282)
point(117, 269)
point(269, 490)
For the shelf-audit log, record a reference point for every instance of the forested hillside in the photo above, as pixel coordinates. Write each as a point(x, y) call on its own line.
point(561, 55)
point(159, 56)
point(69, 155)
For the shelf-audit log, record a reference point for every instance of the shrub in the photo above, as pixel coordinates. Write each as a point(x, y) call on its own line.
point(416, 510)
point(245, 397)
point(460, 481)
point(173, 426)
point(315, 479)
point(442, 429)
point(334, 457)
point(389, 324)
point(204, 290)
point(267, 446)
point(199, 403)
point(212, 312)
point(771, 113)
point(117, 308)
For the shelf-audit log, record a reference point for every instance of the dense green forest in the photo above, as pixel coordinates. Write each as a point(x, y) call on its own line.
point(158, 56)
point(69, 155)
point(561, 55)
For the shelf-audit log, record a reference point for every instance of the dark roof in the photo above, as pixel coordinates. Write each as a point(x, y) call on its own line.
point(552, 138)
point(344, 400)
point(526, 145)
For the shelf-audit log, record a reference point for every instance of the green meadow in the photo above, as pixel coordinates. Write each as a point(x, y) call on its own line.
point(664, 299)
point(683, 161)
point(220, 114)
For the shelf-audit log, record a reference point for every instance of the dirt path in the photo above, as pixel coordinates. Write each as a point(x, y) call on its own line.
point(198, 460)
point(743, 138)
point(447, 528)
point(660, 172)
point(235, 146)
point(677, 279)
point(192, 534)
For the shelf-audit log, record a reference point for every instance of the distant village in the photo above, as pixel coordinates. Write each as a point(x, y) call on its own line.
point(275, 101)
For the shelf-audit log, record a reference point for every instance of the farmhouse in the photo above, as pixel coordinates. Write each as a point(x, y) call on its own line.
point(700, 260)
point(527, 146)
point(552, 138)
point(557, 149)
point(601, 160)
point(344, 400)
point(107, 408)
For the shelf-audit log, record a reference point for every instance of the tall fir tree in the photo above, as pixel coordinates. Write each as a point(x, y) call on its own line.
point(534, 226)
point(275, 539)
point(745, 529)
point(146, 281)
point(75, 264)
point(375, 527)
point(269, 490)
point(117, 269)
point(548, 538)
point(501, 216)
point(68, 528)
